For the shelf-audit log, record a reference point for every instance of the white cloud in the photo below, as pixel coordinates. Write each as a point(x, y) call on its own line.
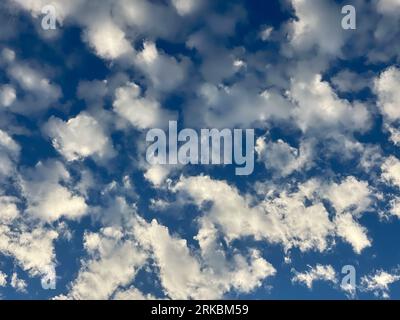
point(184, 276)
point(350, 198)
point(349, 81)
point(157, 174)
point(238, 105)
point(231, 88)
point(386, 88)
point(31, 247)
point(108, 40)
point(283, 219)
point(55, 203)
point(395, 207)
point(114, 257)
point(296, 225)
point(79, 137)
point(63, 8)
point(106, 37)
point(132, 293)
point(3, 279)
point(184, 7)
point(8, 209)
point(242, 273)
point(113, 261)
point(318, 107)
point(391, 171)
point(379, 282)
point(141, 112)
point(266, 32)
point(317, 24)
point(394, 134)
point(47, 196)
point(139, 16)
point(7, 95)
point(9, 154)
point(110, 27)
point(8, 143)
point(283, 158)
point(317, 273)
point(179, 270)
point(164, 72)
point(352, 232)
point(7, 56)
point(17, 283)
point(350, 195)
point(32, 80)
point(388, 6)
point(38, 91)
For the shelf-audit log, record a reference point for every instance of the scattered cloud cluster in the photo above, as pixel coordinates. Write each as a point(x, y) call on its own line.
point(318, 273)
point(75, 107)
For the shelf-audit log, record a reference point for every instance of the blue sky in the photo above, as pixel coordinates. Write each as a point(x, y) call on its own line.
point(80, 205)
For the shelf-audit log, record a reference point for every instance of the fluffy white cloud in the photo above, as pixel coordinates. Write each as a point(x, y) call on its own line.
point(317, 273)
point(132, 293)
point(110, 27)
point(113, 261)
point(38, 91)
point(55, 203)
point(266, 32)
point(141, 112)
point(79, 137)
point(179, 270)
point(164, 72)
point(317, 25)
point(388, 6)
point(379, 282)
point(238, 105)
point(386, 88)
point(395, 207)
point(283, 219)
point(391, 171)
point(283, 158)
point(349, 195)
point(115, 255)
point(8, 144)
point(32, 80)
point(108, 39)
point(17, 283)
point(63, 8)
point(47, 196)
point(9, 154)
point(230, 87)
point(349, 81)
point(350, 198)
point(240, 272)
point(139, 16)
point(184, 276)
point(318, 107)
point(3, 279)
point(184, 7)
point(383, 19)
point(157, 174)
point(31, 247)
point(352, 232)
point(8, 209)
point(7, 95)
point(394, 134)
